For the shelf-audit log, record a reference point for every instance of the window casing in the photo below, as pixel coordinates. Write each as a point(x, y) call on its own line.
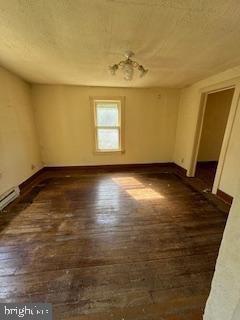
point(108, 125)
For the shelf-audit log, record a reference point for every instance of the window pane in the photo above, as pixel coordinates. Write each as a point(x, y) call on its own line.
point(108, 139)
point(107, 115)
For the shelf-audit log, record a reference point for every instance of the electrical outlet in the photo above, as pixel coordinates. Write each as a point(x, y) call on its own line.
point(182, 160)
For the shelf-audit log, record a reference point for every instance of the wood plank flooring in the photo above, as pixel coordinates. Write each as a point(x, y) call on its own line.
point(206, 171)
point(128, 245)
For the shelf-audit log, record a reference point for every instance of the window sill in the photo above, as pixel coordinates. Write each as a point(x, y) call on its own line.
point(109, 151)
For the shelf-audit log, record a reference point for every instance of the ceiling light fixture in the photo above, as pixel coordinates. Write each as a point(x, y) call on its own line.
point(128, 66)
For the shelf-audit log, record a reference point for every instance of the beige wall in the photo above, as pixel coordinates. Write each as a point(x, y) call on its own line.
point(186, 127)
point(214, 124)
point(224, 300)
point(64, 122)
point(18, 144)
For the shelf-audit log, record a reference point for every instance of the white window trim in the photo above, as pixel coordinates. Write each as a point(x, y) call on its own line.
point(121, 104)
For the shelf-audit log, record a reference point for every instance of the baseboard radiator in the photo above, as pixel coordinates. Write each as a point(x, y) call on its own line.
point(8, 197)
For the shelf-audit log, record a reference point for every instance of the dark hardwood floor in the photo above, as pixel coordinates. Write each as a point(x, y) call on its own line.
point(134, 245)
point(206, 171)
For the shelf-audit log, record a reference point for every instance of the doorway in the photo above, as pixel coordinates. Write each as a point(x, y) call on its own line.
point(215, 118)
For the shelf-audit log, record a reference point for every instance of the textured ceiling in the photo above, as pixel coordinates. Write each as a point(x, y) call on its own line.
point(74, 41)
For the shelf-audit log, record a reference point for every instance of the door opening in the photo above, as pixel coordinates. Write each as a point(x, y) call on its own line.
point(217, 108)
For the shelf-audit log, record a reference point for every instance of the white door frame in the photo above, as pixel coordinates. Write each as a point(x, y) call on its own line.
point(202, 107)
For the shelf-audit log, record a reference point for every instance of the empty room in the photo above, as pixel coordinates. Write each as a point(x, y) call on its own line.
point(120, 160)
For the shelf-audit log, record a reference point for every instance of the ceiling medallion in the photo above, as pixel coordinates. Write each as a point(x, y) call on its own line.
point(127, 66)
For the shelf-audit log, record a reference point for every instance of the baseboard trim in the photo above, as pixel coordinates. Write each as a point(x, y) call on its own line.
point(182, 171)
point(210, 161)
point(98, 168)
point(224, 196)
point(31, 180)
point(108, 167)
point(91, 168)
point(46, 171)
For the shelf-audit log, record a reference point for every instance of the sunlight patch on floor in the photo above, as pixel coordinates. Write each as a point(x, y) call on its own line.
point(144, 194)
point(136, 189)
point(128, 182)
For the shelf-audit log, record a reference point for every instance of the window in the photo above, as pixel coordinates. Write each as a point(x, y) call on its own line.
point(107, 116)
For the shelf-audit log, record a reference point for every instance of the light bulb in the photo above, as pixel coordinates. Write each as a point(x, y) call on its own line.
point(142, 71)
point(113, 69)
point(128, 71)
